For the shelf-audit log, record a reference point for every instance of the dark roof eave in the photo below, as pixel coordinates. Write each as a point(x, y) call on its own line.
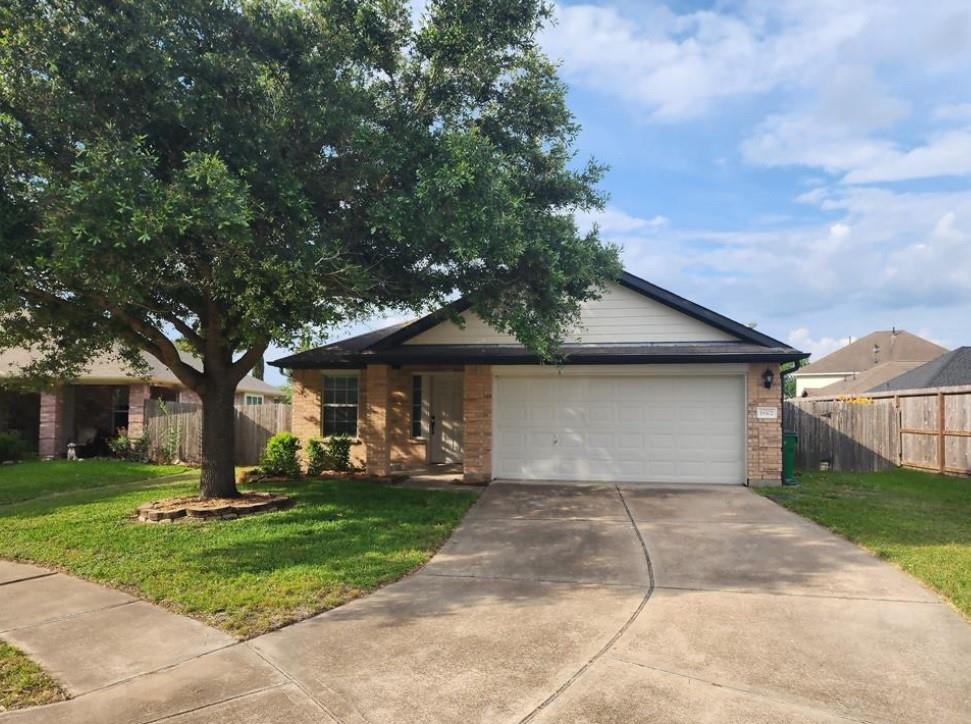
point(451, 357)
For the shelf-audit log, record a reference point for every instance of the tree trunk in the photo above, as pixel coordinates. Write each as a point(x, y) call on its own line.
point(218, 442)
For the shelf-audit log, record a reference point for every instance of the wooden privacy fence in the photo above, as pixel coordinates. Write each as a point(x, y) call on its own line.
point(174, 430)
point(924, 429)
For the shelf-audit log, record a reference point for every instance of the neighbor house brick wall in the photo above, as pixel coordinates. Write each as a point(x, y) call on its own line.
point(137, 394)
point(52, 438)
point(764, 438)
point(477, 411)
point(189, 397)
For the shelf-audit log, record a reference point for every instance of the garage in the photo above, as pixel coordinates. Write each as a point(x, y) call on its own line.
point(625, 427)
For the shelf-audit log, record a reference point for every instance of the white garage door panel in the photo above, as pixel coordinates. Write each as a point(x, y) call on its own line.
point(628, 429)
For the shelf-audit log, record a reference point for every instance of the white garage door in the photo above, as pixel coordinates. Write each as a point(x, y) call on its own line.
point(629, 429)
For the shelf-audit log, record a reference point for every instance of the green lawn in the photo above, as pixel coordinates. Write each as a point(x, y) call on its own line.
point(32, 479)
point(341, 540)
point(920, 521)
point(23, 683)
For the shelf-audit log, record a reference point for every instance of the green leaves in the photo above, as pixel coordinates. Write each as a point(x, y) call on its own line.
point(254, 170)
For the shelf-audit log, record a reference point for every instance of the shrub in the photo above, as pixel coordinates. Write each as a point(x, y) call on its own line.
point(317, 458)
point(134, 449)
point(280, 456)
point(339, 452)
point(12, 447)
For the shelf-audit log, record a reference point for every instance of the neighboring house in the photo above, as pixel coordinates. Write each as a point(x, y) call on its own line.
point(951, 369)
point(654, 389)
point(897, 349)
point(92, 408)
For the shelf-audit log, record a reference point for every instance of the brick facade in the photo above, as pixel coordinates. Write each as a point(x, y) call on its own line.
point(477, 413)
point(384, 420)
point(763, 437)
point(307, 391)
point(377, 428)
point(137, 395)
point(52, 438)
point(406, 451)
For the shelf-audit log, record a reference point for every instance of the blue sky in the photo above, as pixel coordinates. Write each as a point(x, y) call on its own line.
point(801, 164)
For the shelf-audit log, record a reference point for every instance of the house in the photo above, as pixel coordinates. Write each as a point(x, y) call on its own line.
point(951, 369)
point(93, 407)
point(654, 388)
point(893, 351)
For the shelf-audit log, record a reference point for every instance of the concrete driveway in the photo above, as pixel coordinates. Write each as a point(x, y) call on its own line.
point(560, 603)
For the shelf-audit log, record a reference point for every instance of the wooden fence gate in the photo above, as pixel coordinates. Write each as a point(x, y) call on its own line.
point(923, 429)
point(174, 430)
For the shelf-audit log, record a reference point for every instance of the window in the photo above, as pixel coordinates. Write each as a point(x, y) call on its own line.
point(252, 399)
point(416, 406)
point(119, 409)
point(339, 414)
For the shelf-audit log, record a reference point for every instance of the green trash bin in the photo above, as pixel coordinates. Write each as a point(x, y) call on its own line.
point(789, 440)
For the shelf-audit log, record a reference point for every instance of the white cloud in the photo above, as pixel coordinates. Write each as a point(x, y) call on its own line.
point(681, 65)
point(948, 154)
point(801, 339)
point(833, 76)
point(960, 112)
point(612, 221)
point(677, 66)
point(886, 258)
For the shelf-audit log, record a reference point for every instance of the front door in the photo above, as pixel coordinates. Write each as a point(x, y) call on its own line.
point(446, 419)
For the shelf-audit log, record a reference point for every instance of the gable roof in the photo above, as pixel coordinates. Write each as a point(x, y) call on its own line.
point(387, 344)
point(875, 348)
point(626, 279)
point(106, 369)
point(950, 369)
point(861, 382)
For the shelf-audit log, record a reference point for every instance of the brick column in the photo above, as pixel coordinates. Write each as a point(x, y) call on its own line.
point(764, 436)
point(477, 428)
point(376, 428)
point(52, 438)
point(137, 395)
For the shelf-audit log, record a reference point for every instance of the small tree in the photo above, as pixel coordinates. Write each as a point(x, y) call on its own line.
point(238, 172)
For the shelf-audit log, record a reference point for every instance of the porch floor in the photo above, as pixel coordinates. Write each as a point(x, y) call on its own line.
point(440, 476)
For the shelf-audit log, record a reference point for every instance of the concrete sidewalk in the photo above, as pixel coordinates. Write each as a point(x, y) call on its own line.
point(551, 603)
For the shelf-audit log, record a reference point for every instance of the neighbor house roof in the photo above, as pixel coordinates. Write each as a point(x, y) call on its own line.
point(106, 369)
point(387, 345)
point(875, 348)
point(862, 382)
point(950, 369)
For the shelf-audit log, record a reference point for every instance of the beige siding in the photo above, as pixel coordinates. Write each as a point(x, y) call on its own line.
point(621, 315)
point(814, 382)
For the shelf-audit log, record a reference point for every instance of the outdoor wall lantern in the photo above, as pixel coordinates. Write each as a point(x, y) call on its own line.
point(767, 378)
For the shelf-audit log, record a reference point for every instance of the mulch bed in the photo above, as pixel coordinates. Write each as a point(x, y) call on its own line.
point(196, 508)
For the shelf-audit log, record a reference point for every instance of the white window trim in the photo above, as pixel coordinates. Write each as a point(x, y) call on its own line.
point(248, 396)
point(324, 374)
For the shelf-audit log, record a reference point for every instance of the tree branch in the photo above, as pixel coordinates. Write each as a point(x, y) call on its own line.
point(241, 367)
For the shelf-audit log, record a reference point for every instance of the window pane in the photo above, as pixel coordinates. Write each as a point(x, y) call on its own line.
point(416, 406)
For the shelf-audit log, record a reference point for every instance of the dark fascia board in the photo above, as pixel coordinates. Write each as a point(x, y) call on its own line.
point(626, 279)
point(422, 324)
point(450, 355)
point(482, 356)
point(703, 314)
point(302, 364)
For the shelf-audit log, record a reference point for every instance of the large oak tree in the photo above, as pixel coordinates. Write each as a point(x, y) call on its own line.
point(237, 173)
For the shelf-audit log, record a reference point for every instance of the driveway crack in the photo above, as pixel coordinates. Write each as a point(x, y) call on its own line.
point(620, 632)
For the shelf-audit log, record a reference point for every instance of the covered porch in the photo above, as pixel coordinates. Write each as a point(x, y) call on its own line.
point(406, 418)
point(89, 415)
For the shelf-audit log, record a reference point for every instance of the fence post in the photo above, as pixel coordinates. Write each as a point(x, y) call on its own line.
point(941, 448)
